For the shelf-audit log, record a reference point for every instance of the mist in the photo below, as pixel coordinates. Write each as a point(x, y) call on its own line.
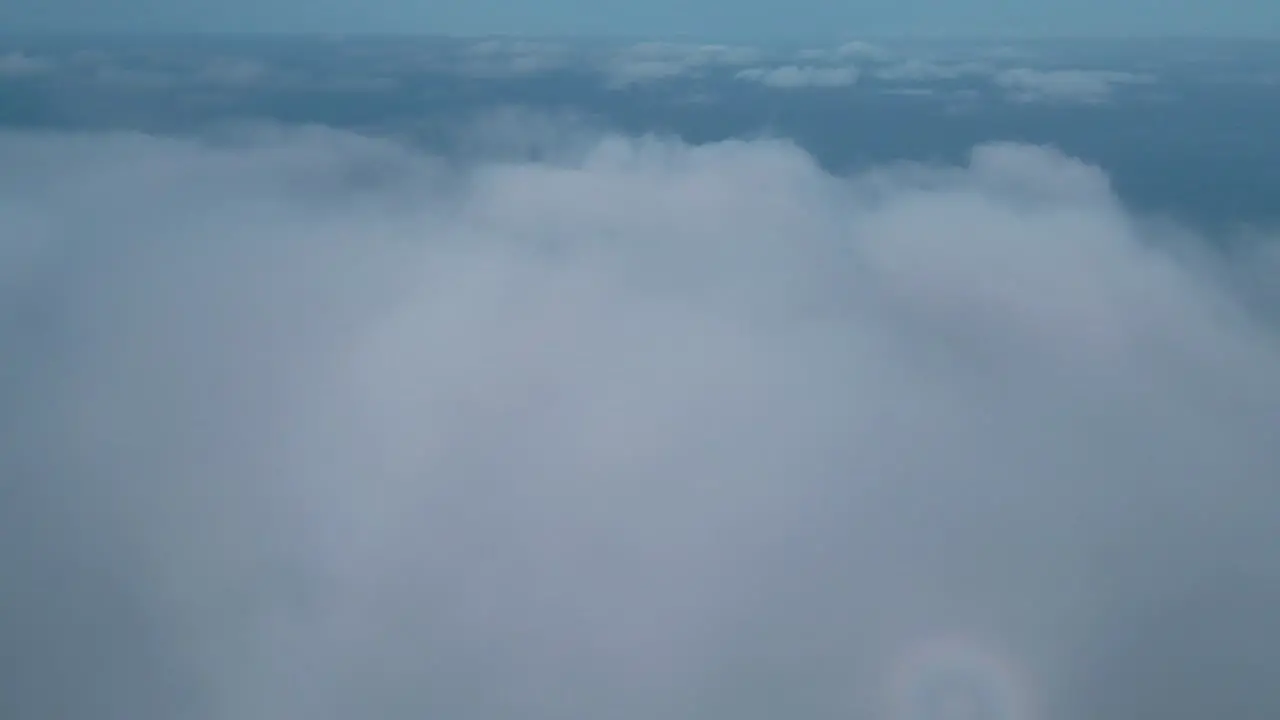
point(303, 424)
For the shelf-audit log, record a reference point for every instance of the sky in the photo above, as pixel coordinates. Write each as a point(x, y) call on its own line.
point(757, 20)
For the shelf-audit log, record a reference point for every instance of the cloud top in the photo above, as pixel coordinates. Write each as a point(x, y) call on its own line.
point(1073, 86)
point(307, 424)
point(796, 76)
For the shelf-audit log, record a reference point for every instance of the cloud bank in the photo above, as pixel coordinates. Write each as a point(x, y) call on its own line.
point(648, 62)
point(801, 76)
point(308, 425)
point(214, 74)
point(1069, 86)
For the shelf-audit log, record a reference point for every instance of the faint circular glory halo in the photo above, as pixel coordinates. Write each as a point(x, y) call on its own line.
point(956, 677)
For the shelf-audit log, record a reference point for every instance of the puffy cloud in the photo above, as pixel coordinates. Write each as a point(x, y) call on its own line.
point(1072, 86)
point(311, 425)
point(795, 76)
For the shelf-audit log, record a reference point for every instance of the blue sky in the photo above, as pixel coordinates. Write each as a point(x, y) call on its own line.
point(712, 19)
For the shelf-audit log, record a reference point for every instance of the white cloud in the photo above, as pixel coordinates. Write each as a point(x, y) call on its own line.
point(1020, 84)
point(314, 426)
point(652, 61)
point(1072, 86)
point(852, 50)
point(795, 76)
point(858, 48)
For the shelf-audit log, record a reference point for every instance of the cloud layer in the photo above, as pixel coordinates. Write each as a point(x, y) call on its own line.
point(308, 425)
point(1078, 86)
point(390, 66)
point(797, 76)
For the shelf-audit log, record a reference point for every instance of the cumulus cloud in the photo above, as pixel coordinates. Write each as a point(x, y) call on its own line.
point(1071, 86)
point(795, 76)
point(309, 425)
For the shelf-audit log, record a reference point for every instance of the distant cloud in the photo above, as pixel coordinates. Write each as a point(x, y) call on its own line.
point(853, 50)
point(514, 58)
point(697, 54)
point(912, 91)
point(860, 49)
point(647, 62)
point(979, 66)
point(19, 64)
point(624, 72)
point(371, 68)
point(184, 70)
point(918, 70)
point(795, 76)
point(234, 72)
point(135, 77)
point(1066, 86)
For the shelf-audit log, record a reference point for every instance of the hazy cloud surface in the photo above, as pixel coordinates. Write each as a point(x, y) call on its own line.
point(309, 425)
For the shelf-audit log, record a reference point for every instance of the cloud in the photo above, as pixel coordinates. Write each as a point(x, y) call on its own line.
point(515, 58)
point(310, 425)
point(984, 64)
point(917, 70)
point(1070, 86)
point(225, 69)
point(653, 61)
point(912, 92)
point(794, 76)
point(858, 48)
point(854, 49)
point(19, 64)
point(136, 78)
point(234, 72)
point(627, 72)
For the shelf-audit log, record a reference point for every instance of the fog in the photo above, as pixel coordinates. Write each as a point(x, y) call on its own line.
point(300, 424)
